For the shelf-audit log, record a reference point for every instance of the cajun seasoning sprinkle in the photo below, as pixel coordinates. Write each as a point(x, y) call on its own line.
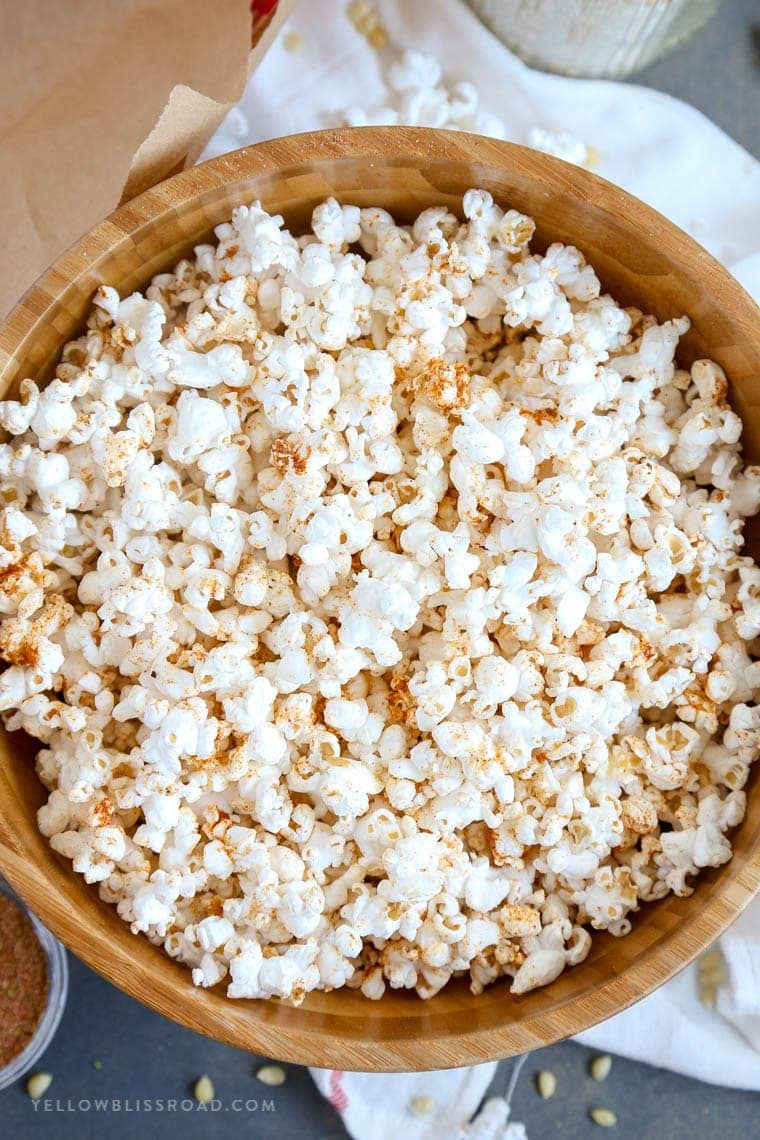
point(23, 980)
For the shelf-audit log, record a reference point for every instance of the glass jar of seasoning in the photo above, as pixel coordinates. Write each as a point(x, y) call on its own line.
point(34, 980)
point(599, 38)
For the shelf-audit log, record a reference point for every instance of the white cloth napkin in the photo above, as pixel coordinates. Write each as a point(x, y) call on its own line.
point(672, 1029)
point(675, 159)
point(426, 1106)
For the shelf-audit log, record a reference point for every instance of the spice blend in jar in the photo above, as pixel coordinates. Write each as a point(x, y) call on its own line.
point(24, 980)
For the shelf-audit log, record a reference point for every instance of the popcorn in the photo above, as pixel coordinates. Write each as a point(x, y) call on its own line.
point(418, 96)
point(382, 615)
point(561, 144)
point(422, 100)
point(539, 969)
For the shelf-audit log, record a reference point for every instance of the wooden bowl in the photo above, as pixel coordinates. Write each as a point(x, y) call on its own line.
point(641, 258)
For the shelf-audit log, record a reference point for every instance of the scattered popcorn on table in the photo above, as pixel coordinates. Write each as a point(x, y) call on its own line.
point(418, 97)
point(561, 144)
point(421, 99)
point(382, 614)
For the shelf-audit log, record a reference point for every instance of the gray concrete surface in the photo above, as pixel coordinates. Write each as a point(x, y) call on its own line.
point(145, 1059)
point(718, 71)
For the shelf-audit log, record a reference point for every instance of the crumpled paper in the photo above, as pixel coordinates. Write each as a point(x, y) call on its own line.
point(100, 101)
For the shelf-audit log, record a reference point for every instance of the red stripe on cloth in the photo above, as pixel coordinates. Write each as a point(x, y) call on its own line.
point(337, 1097)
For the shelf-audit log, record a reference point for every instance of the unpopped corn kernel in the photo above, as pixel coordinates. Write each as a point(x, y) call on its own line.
point(604, 1117)
point(203, 1090)
point(271, 1075)
point(546, 1083)
point(600, 1067)
point(38, 1084)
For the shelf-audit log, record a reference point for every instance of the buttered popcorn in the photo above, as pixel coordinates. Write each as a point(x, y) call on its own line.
point(377, 597)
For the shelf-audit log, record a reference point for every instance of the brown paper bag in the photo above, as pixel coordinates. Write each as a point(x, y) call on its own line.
point(101, 100)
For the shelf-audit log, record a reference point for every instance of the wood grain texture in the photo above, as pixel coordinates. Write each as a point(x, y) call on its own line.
point(642, 259)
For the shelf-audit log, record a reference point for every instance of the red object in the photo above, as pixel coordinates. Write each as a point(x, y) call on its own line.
point(261, 16)
point(337, 1097)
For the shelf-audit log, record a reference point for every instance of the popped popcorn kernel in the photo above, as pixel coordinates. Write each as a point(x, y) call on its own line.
point(377, 599)
point(446, 384)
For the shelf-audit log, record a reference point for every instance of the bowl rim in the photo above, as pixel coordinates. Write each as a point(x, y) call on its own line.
point(318, 1045)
